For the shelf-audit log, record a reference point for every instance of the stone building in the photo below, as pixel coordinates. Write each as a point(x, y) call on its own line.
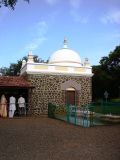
point(63, 80)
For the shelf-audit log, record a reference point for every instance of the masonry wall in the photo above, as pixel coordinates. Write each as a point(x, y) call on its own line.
point(48, 89)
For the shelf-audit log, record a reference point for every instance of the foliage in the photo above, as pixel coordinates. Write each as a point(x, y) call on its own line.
point(9, 3)
point(107, 108)
point(107, 75)
point(51, 110)
point(61, 110)
point(14, 68)
point(3, 71)
point(54, 110)
point(112, 63)
point(116, 100)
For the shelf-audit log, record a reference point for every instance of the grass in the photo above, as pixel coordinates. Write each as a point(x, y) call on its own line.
point(107, 108)
point(116, 100)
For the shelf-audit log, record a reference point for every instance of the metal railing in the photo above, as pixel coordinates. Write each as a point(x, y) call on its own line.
point(87, 115)
point(106, 107)
point(72, 114)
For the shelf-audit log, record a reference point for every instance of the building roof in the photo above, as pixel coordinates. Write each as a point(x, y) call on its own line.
point(65, 56)
point(62, 62)
point(14, 81)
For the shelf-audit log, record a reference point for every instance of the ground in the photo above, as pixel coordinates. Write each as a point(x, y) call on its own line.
point(42, 138)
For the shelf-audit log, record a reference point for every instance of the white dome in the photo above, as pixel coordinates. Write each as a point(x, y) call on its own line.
point(65, 57)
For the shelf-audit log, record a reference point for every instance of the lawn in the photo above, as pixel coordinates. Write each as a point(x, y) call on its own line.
point(107, 107)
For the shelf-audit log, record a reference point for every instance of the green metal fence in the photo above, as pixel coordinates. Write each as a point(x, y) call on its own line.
point(72, 114)
point(106, 107)
point(87, 115)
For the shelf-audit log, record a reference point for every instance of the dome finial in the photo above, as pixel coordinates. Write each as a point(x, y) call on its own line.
point(30, 57)
point(65, 42)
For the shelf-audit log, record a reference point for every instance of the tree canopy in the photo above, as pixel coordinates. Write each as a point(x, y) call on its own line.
point(14, 68)
point(107, 75)
point(9, 3)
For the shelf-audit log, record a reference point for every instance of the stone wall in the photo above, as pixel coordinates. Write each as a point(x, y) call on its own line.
point(48, 89)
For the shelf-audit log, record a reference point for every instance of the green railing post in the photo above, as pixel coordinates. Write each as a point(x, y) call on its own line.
point(91, 114)
point(67, 113)
point(75, 115)
point(83, 118)
point(87, 114)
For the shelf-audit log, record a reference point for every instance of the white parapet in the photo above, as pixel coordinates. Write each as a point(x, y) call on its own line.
point(39, 68)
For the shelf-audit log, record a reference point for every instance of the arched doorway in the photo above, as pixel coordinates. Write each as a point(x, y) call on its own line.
point(70, 96)
point(71, 91)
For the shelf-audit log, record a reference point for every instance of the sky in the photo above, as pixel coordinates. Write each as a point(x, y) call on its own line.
point(92, 28)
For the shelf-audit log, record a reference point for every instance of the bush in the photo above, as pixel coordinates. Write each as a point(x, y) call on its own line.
point(116, 100)
point(51, 110)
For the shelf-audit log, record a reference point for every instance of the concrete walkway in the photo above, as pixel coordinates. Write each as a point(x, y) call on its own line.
point(47, 139)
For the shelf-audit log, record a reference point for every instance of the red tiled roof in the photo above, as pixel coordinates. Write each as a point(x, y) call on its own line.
point(14, 81)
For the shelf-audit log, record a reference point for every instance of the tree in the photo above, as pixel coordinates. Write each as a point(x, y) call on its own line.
point(107, 75)
point(101, 82)
point(9, 3)
point(3, 71)
point(14, 68)
point(112, 63)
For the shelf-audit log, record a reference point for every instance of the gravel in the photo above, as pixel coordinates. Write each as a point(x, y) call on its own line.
point(42, 138)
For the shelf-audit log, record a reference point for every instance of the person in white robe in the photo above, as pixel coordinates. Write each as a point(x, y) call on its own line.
point(21, 104)
point(12, 106)
point(3, 106)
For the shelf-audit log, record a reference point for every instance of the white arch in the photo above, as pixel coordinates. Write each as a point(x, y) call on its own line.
point(70, 89)
point(70, 84)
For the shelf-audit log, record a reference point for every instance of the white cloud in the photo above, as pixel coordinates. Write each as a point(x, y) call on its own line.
point(116, 35)
point(111, 17)
point(75, 11)
point(52, 2)
point(111, 36)
point(35, 44)
point(75, 4)
point(39, 30)
point(78, 18)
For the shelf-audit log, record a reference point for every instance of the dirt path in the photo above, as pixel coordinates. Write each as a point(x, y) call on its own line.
point(47, 139)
